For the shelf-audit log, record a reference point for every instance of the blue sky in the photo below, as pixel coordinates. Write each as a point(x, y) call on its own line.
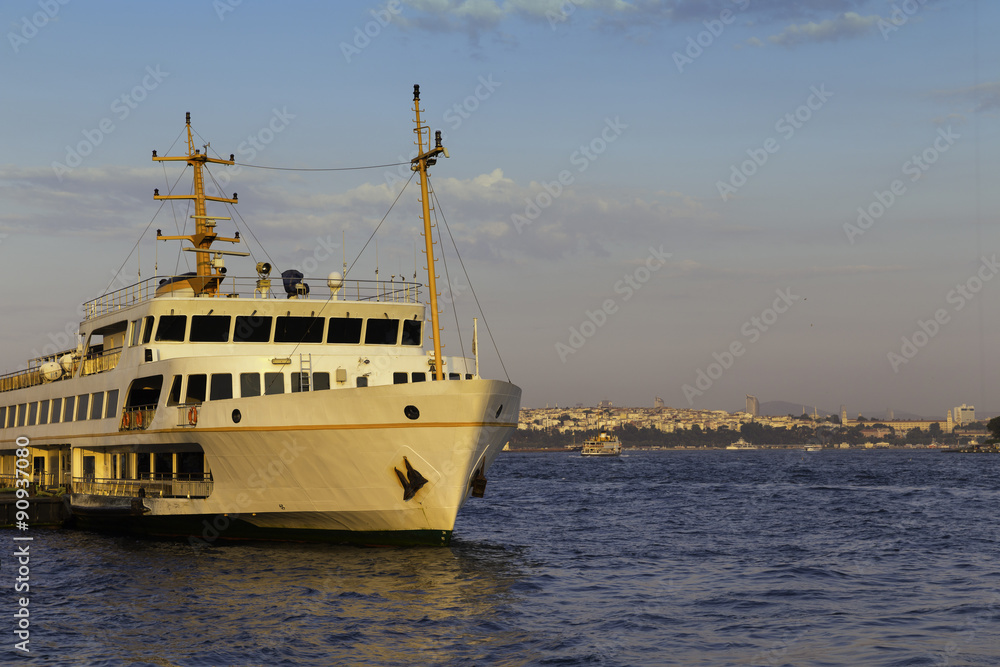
point(713, 154)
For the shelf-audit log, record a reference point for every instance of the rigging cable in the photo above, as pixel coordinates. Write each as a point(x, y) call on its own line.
point(471, 288)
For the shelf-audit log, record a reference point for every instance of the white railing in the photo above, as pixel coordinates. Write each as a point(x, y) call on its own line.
point(249, 288)
point(181, 486)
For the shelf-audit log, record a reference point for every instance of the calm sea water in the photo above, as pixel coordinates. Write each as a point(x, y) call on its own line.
point(655, 558)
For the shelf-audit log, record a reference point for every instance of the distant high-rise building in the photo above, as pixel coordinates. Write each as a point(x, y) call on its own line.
point(657, 402)
point(951, 424)
point(965, 414)
point(753, 406)
point(888, 414)
point(843, 415)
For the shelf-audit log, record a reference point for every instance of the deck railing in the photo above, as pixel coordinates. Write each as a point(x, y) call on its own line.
point(249, 288)
point(99, 362)
point(137, 418)
point(169, 485)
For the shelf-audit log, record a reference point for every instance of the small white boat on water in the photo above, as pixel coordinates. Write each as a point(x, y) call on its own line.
point(604, 444)
point(741, 444)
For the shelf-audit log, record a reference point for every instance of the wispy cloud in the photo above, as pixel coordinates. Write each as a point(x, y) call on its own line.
point(984, 98)
point(848, 25)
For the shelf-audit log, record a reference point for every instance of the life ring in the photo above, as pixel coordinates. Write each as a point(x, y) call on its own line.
point(193, 416)
point(138, 418)
point(126, 422)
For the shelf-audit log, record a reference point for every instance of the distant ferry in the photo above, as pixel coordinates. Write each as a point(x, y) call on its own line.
point(813, 448)
point(603, 445)
point(741, 444)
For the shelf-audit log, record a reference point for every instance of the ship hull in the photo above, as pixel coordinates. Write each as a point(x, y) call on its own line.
point(324, 466)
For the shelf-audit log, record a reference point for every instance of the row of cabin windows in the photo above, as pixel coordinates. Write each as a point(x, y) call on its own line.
point(285, 329)
point(99, 405)
point(219, 386)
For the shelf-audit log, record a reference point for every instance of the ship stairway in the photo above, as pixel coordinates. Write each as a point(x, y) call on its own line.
point(305, 372)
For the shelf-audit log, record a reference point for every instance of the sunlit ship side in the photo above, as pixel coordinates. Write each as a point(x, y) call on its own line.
point(210, 407)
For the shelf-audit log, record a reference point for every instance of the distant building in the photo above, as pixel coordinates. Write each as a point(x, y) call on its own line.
point(843, 415)
point(965, 414)
point(604, 404)
point(753, 406)
point(657, 402)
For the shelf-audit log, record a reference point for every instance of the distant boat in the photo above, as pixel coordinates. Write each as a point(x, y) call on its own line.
point(603, 445)
point(813, 448)
point(741, 444)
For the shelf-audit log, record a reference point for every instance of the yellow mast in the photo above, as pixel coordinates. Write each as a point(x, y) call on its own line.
point(209, 276)
point(420, 164)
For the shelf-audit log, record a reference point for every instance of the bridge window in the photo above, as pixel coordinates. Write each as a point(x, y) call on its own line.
point(171, 328)
point(147, 329)
point(57, 405)
point(69, 408)
point(249, 384)
point(381, 332)
point(299, 330)
point(344, 330)
point(43, 412)
point(3, 417)
point(274, 383)
point(252, 329)
point(210, 328)
point(32, 413)
point(22, 412)
point(411, 332)
point(222, 386)
point(321, 381)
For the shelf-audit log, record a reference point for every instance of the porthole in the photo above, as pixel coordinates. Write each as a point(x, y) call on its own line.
point(499, 410)
point(237, 416)
point(411, 412)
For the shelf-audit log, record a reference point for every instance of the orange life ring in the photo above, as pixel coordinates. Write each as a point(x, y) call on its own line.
point(126, 422)
point(138, 418)
point(193, 416)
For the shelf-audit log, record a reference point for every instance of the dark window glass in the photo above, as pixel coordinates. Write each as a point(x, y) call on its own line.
point(321, 381)
point(33, 413)
point(3, 417)
point(147, 329)
point(274, 383)
point(171, 328)
point(196, 388)
point(252, 329)
point(297, 382)
point(22, 412)
point(420, 377)
point(82, 403)
point(43, 413)
point(174, 397)
point(249, 384)
point(222, 386)
point(143, 392)
point(399, 378)
point(454, 376)
point(97, 405)
point(411, 332)
point(344, 330)
point(381, 332)
point(362, 381)
point(298, 330)
point(69, 407)
point(210, 328)
point(112, 409)
point(56, 410)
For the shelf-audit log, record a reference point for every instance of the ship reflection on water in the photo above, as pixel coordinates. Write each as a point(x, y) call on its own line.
point(268, 604)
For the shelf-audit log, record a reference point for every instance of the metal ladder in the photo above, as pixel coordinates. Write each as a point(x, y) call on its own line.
point(305, 371)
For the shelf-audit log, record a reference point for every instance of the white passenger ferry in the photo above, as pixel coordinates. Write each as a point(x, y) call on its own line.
point(210, 407)
point(604, 444)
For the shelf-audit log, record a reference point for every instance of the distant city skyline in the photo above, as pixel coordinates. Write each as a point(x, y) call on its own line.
point(694, 200)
